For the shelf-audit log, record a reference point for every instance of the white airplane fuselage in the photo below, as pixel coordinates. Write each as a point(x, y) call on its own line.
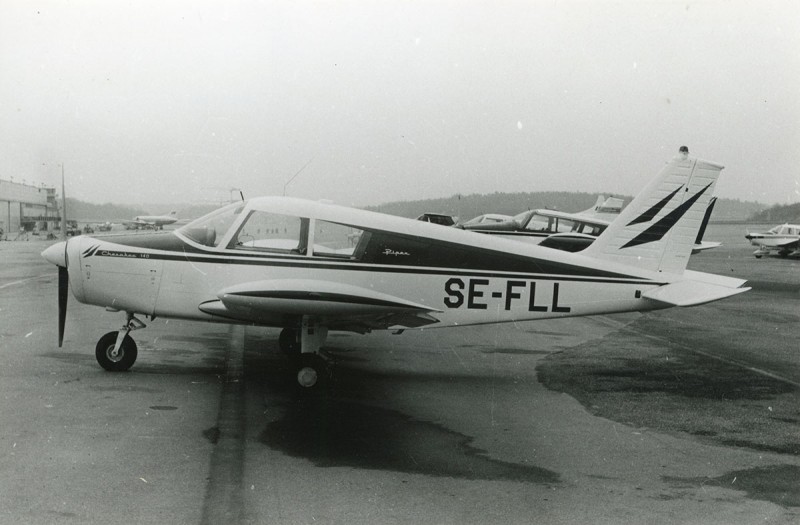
point(172, 283)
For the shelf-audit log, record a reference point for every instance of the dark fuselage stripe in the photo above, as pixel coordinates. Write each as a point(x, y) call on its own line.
point(513, 233)
point(303, 262)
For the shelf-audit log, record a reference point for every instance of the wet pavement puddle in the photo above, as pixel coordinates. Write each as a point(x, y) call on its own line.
point(777, 483)
point(342, 433)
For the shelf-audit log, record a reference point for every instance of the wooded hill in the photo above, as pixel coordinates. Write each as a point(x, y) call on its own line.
point(782, 213)
point(463, 206)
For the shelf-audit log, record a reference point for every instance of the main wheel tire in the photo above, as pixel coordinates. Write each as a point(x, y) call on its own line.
point(313, 373)
point(124, 358)
point(289, 342)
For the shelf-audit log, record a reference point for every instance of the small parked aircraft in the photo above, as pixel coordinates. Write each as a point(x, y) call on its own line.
point(784, 239)
point(570, 232)
point(155, 222)
point(312, 267)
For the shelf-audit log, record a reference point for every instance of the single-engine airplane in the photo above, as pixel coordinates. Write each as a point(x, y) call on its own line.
point(784, 239)
point(312, 267)
point(155, 222)
point(570, 232)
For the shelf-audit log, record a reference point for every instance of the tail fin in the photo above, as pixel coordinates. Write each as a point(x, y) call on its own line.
point(604, 208)
point(657, 230)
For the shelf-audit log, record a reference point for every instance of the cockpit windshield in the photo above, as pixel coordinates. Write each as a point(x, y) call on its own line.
point(522, 218)
point(209, 229)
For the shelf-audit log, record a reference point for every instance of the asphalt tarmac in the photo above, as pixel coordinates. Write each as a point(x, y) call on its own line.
point(677, 416)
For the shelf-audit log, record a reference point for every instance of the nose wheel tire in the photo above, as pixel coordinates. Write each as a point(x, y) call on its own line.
point(125, 357)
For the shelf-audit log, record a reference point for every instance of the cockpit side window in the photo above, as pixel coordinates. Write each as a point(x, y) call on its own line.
point(540, 223)
point(272, 232)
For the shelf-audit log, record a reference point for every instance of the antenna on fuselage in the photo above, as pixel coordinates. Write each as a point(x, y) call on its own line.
point(295, 176)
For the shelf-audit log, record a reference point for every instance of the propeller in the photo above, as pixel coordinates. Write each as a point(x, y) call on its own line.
point(63, 293)
point(57, 254)
point(63, 269)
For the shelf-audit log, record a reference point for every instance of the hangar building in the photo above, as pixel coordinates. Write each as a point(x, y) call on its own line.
point(26, 207)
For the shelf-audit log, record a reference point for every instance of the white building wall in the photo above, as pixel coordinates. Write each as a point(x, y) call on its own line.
point(18, 200)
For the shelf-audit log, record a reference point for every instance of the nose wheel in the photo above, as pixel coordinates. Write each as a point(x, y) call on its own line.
point(121, 359)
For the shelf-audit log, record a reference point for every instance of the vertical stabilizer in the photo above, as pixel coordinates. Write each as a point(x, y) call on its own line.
point(657, 230)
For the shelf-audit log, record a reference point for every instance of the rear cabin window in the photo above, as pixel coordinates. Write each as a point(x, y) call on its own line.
point(591, 229)
point(338, 240)
point(541, 223)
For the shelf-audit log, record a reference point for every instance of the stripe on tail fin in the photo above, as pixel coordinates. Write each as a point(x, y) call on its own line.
point(706, 218)
point(657, 230)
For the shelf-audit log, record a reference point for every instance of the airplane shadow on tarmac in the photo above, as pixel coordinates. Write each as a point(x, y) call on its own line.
point(336, 429)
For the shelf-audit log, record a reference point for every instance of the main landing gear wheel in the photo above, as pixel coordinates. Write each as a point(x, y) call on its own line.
point(289, 342)
point(313, 372)
point(126, 356)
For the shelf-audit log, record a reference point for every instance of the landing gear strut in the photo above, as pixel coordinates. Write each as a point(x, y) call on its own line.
point(116, 351)
point(313, 372)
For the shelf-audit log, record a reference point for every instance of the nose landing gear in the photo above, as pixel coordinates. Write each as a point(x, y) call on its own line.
point(116, 351)
point(116, 359)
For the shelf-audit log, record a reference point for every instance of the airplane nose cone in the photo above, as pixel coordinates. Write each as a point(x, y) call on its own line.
point(56, 254)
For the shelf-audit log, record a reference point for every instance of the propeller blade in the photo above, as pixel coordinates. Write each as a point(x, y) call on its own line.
point(63, 291)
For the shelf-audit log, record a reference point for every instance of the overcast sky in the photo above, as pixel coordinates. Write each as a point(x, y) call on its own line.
point(164, 101)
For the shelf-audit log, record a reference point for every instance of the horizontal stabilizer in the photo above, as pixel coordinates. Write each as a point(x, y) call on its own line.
point(692, 293)
point(705, 245)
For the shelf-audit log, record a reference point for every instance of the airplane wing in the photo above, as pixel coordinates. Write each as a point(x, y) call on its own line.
point(788, 243)
point(343, 306)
